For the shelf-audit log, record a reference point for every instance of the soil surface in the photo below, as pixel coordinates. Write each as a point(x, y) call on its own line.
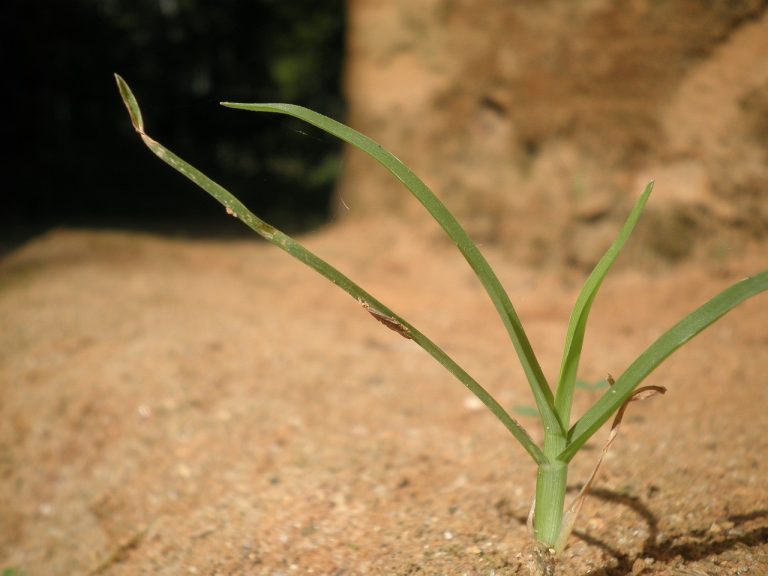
point(177, 406)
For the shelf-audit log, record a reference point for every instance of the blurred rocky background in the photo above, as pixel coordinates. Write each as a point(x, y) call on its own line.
point(537, 122)
point(540, 122)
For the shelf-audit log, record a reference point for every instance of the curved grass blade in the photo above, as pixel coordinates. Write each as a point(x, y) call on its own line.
point(655, 354)
point(577, 325)
point(378, 310)
point(538, 383)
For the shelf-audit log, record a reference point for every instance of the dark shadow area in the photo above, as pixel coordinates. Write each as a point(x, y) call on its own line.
point(624, 561)
point(74, 159)
point(690, 546)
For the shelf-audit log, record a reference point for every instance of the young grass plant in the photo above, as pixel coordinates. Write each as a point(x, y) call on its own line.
point(551, 523)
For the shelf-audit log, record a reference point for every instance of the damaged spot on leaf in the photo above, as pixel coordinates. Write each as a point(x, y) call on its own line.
point(388, 321)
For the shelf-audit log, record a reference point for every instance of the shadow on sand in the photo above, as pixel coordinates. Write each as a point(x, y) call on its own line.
point(689, 546)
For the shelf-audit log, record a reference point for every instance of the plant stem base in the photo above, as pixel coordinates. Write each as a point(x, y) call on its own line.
point(541, 560)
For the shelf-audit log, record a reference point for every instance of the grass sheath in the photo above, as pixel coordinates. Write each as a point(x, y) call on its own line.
point(562, 440)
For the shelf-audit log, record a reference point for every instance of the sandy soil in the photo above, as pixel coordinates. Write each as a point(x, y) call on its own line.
point(171, 406)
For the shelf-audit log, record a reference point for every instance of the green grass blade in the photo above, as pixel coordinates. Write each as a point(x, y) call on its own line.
point(378, 310)
point(574, 339)
point(670, 341)
point(538, 383)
